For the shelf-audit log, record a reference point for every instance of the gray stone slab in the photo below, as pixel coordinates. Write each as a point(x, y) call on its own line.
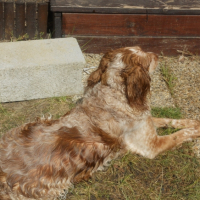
point(40, 69)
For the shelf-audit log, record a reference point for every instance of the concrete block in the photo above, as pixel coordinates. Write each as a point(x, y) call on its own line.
point(40, 69)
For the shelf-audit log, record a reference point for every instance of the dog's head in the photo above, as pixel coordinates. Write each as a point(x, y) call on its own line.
point(126, 69)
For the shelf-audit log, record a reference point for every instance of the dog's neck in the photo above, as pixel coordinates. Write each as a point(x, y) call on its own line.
point(114, 94)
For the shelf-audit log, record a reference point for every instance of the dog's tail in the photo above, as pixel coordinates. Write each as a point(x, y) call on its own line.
point(4, 195)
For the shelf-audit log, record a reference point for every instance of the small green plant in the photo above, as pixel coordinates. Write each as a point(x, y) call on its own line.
point(41, 35)
point(20, 38)
point(23, 37)
point(38, 36)
point(12, 36)
point(26, 36)
point(168, 77)
point(60, 99)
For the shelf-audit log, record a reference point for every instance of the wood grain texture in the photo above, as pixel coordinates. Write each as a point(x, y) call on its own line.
point(31, 19)
point(130, 25)
point(127, 6)
point(9, 20)
point(167, 46)
point(128, 3)
point(20, 19)
point(42, 19)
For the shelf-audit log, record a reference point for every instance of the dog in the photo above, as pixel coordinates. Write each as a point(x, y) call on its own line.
point(40, 160)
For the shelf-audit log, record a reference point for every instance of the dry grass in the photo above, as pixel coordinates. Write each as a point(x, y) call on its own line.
point(172, 175)
point(17, 113)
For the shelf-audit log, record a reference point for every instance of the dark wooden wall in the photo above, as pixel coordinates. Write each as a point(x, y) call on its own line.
point(131, 25)
point(159, 26)
point(158, 33)
point(18, 19)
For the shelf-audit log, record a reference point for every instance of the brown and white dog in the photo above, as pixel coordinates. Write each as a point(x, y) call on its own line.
point(39, 160)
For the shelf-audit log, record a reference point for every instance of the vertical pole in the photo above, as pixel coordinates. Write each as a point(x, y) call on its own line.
point(57, 25)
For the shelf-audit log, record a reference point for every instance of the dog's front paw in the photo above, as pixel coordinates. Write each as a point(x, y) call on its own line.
point(191, 133)
point(197, 124)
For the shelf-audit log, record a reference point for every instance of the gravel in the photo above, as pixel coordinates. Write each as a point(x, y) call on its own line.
point(187, 85)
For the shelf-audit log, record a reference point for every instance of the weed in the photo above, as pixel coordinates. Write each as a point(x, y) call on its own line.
point(23, 37)
point(12, 36)
point(82, 47)
point(50, 34)
point(70, 34)
point(38, 36)
point(168, 77)
point(60, 99)
point(41, 35)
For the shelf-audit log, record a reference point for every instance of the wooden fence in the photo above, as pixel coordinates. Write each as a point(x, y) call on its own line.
point(23, 20)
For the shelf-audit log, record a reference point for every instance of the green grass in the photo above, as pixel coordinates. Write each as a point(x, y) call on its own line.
point(173, 175)
point(167, 112)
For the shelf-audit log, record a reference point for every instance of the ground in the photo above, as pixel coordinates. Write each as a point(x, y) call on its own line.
point(172, 175)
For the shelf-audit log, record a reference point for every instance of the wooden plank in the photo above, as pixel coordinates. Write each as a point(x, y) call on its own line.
point(31, 19)
point(1, 22)
point(42, 19)
point(20, 19)
point(9, 20)
point(130, 24)
point(127, 6)
point(167, 46)
point(128, 3)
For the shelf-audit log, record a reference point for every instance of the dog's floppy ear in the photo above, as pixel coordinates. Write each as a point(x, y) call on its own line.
point(96, 76)
point(137, 85)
